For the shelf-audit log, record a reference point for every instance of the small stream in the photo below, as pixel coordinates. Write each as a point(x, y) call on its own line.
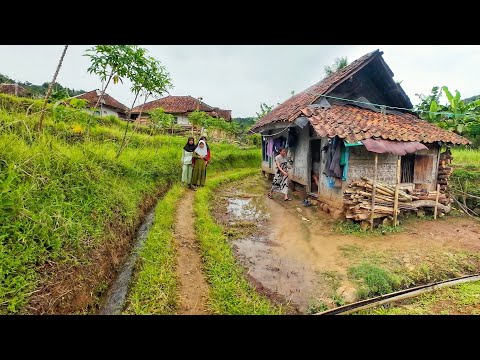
point(116, 296)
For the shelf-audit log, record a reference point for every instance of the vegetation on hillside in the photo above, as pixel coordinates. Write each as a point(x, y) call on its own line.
point(39, 91)
point(63, 193)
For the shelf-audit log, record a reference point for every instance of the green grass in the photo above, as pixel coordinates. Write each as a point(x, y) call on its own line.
point(374, 280)
point(351, 228)
point(230, 292)
point(154, 289)
point(459, 299)
point(466, 157)
point(64, 193)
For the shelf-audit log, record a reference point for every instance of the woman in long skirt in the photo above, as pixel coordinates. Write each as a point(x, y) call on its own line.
point(280, 180)
point(187, 166)
point(199, 167)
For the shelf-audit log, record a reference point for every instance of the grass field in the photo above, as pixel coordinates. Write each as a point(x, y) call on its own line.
point(65, 193)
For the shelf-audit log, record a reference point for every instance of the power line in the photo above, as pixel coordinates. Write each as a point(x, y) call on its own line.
point(386, 106)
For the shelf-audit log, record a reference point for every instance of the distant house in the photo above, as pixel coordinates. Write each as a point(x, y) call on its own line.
point(108, 105)
point(180, 107)
point(335, 124)
point(13, 89)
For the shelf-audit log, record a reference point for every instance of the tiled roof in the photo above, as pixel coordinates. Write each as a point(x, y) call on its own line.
point(290, 109)
point(353, 124)
point(92, 98)
point(226, 114)
point(13, 89)
point(174, 105)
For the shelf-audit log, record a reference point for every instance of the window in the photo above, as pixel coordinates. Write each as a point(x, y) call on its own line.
point(407, 166)
point(104, 112)
point(416, 169)
point(175, 119)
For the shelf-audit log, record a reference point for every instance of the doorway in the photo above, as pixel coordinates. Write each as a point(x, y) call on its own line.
point(314, 165)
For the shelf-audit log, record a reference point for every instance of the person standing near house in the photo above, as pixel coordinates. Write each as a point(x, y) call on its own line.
point(200, 164)
point(280, 180)
point(204, 138)
point(187, 165)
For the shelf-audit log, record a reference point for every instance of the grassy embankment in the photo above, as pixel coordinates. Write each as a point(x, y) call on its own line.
point(155, 288)
point(69, 208)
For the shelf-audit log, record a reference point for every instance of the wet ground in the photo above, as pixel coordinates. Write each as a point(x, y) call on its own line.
point(292, 251)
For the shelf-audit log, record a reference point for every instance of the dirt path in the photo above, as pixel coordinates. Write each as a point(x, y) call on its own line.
point(293, 251)
point(193, 287)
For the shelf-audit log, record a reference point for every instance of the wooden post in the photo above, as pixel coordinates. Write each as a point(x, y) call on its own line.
point(436, 202)
point(397, 188)
point(373, 192)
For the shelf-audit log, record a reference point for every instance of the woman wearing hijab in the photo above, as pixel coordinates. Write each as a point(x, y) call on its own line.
point(199, 167)
point(208, 149)
point(187, 166)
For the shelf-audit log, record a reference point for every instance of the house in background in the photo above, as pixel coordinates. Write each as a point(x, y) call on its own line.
point(180, 107)
point(13, 89)
point(108, 105)
point(344, 138)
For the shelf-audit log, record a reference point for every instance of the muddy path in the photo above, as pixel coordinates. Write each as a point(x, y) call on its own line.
point(293, 251)
point(193, 288)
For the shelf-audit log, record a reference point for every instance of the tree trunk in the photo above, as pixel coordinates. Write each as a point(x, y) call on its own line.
point(50, 87)
point(126, 127)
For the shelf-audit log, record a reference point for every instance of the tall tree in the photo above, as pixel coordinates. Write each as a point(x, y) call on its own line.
point(49, 91)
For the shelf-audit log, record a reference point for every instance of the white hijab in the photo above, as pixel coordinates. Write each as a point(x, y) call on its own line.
point(200, 151)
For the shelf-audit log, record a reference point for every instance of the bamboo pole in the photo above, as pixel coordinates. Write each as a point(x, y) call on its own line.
point(373, 192)
point(436, 203)
point(397, 188)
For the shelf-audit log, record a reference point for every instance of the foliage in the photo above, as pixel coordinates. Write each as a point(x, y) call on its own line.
point(62, 193)
point(264, 110)
point(154, 289)
point(339, 63)
point(39, 91)
point(162, 120)
point(374, 280)
point(459, 299)
point(457, 115)
point(230, 292)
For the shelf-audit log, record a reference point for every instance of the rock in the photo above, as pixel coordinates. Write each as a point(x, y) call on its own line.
point(337, 214)
point(348, 293)
point(364, 225)
point(299, 210)
point(420, 213)
point(387, 222)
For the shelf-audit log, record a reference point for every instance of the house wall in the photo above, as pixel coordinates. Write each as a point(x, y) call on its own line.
point(362, 163)
point(302, 155)
point(105, 111)
point(182, 119)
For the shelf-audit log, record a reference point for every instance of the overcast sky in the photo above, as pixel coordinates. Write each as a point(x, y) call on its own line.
point(240, 77)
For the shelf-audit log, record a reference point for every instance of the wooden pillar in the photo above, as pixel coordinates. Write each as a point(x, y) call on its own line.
point(397, 188)
point(373, 191)
point(436, 203)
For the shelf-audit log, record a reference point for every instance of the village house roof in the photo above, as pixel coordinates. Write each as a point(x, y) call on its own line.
point(290, 109)
point(354, 123)
point(13, 89)
point(180, 105)
point(93, 96)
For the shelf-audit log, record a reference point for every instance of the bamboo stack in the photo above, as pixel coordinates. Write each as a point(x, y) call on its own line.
point(357, 199)
point(444, 170)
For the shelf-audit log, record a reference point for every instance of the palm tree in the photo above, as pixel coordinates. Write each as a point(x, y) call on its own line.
point(340, 63)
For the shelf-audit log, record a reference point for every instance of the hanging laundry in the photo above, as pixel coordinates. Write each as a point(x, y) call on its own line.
point(270, 147)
